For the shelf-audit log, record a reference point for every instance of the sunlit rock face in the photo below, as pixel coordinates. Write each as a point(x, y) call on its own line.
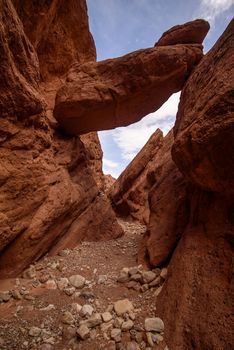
point(193, 32)
point(48, 193)
point(121, 91)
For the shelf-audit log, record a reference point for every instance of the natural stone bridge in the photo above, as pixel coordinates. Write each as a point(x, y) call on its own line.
point(120, 91)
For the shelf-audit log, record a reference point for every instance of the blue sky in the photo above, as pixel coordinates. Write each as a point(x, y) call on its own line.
point(122, 26)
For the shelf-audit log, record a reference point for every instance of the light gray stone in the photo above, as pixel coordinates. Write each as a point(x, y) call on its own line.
point(106, 316)
point(123, 306)
point(154, 324)
point(87, 310)
point(77, 281)
point(127, 325)
point(148, 276)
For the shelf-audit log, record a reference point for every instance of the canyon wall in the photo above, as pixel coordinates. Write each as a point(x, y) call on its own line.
point(47, 187)
point(197, 299)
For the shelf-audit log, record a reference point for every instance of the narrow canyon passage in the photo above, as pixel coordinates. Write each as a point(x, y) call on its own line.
point(47, 305)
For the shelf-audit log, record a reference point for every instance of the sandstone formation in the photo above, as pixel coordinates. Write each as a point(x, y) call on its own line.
point(168, 206)
point(19, 79)
point(109, 180)
point(59, 32)
point(193, 32)
point(129, 194)
point(47, 185)
point(204, 141)
point(197, 299)
point(94, 156)
point(120, 91)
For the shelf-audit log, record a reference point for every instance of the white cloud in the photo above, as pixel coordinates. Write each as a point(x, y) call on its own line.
point(110, 163)
point(211, 9)
point(132, 138)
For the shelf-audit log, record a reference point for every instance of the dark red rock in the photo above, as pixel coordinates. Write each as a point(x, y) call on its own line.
point(204, 131)
point(120, 91)
point(47, 187)
point(197, 300)
point(168, 207)
point(59, 31)
point(19, 77)
point(193, 32)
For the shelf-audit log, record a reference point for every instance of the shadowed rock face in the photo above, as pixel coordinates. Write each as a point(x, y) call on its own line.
point(193, 32)
point(18, 79)
point(197, 299)
point(204, 131)
point(120, 91)
point(47, 186)
point(168, 207)
point(59, 31)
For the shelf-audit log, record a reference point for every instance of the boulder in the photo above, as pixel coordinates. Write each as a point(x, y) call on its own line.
point(120, 91)
point(193, 32)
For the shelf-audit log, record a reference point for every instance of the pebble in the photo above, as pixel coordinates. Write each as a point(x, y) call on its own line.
point(34, 331)
point(106, 316)
point(77, 281)
point(163, 273)
point(5, 296)
point(69, 291)
point(92, 321)
point(132, 346)
point(148, 276)
point(83, 332)
point(123, 306)
point(68, 318)
point(75, 307)
point(127, 325)
point(16, 294)
point(62, 283)
point(102, 279)
point(51, 284)
point(154, 324)
point(87, 310)
point(116, 334)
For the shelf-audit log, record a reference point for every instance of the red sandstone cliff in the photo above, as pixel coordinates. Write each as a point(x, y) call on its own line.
point(47, 188)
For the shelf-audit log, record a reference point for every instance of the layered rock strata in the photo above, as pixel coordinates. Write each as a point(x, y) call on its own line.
point(47, 187)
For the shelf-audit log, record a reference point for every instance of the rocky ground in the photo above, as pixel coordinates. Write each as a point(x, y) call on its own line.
point(92, 297)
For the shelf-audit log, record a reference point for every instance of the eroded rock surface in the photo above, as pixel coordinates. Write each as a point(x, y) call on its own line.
point(59, 31)
point(168, 207)
point(129, 193)
point(204, 131)
point(120, 91)
point(197, 299)
point(193, 32)
point(47, 185)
